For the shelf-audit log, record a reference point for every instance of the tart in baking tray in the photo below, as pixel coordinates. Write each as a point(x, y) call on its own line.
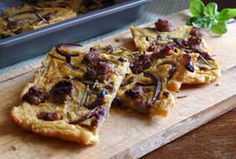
point(79, 6)
point(186, 38)
point(26, 18)
point(71, 93)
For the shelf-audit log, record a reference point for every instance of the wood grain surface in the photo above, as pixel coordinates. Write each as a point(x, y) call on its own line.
point(215, 140)
point(127, 134)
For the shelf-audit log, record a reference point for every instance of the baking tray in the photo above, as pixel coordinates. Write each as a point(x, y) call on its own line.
point(27, 45)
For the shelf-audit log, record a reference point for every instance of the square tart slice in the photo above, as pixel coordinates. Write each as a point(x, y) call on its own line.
point(186, 38)
point(71, 94)
point(150, 86)
point(26, 18)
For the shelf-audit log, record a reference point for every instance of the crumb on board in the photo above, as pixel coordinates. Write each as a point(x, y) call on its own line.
point(117, 40)
point(217, 84)
point(13, 148)
point(182, 96)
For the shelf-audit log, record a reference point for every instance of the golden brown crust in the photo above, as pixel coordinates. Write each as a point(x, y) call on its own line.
point(79, 135)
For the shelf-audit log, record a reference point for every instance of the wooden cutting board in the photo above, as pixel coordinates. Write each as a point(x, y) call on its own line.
point(126, 134)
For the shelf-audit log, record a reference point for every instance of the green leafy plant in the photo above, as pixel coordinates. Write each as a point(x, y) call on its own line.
point(208, 16)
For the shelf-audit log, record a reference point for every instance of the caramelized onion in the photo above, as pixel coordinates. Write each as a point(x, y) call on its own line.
point(157, 82)
point(187, 59)
point(21, 13)
point(172, 70)
point(35, 12)
point(39, 16)
point(66, 54)
point(206, 56)
point(118, 102)
point(98, 113)
point(127, 82)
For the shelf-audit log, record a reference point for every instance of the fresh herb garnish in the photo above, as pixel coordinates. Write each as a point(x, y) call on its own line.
point(208, 16)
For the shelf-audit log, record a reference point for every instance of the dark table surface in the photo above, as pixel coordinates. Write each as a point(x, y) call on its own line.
point(215, 140)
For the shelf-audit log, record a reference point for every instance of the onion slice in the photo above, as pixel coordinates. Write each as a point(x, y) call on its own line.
point(34, 11)
point(97, 112)
point(66, 54)
point(127, 82)
point(157, 82)
point(172, 70)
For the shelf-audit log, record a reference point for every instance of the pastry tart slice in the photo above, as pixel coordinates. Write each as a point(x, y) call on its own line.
point(186, 38)
point(71, 93)
point(152, 81)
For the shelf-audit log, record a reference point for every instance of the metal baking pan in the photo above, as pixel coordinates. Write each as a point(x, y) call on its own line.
point(27, 45)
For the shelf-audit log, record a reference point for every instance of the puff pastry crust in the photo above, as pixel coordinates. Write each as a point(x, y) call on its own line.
point(71, 94)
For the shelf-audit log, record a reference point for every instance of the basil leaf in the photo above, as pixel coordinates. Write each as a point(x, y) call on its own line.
point(197, 8)
point(204, 22)
point(211, 10)
point(219, 28)
point(227, 14)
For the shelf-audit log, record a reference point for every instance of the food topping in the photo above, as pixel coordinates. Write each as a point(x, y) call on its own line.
point(99, 113)
point(162, 51)
point(99, 100)
point(197, 32)
point(61, 92)
point(98, 68)
point(157, 83)
point(118, 102)
point(138, 91)
point(20, 13)
point(135, 92)
point(127, 82)
point(193, 41)
point(110, 86)
point(39, 16)
point(67, 54)
point(172, 70)
point(92, 58)
point(13, 24)
point(35, 96)
point(48, 16)
point(64, 53)
point(122, 59)
point(188, 63)
point(205, 55)
point(163, 25)
point(166, 94)
point(48, 116)
point(140, 62)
